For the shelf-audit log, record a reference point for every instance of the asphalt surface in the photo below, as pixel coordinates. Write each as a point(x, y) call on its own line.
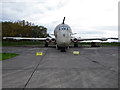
point(95, 67)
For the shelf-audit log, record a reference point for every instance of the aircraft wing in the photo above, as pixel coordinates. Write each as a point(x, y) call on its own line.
point(21, 38)
point(88, 39)
point(101, 39)
point(48, 39)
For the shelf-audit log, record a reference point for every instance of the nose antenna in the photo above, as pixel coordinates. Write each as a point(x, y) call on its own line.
point(63, 21)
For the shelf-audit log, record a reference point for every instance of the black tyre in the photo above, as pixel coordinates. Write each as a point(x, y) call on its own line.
point(63, 49)
point(75, 45)
point(58, 47)
point(46, 45)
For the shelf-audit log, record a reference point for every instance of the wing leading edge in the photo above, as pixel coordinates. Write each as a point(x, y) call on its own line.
point(101, 39)
point(21, 38)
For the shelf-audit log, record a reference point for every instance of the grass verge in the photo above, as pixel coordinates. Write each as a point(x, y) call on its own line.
point(20, 43)
point(101, 44)
point(4, 56)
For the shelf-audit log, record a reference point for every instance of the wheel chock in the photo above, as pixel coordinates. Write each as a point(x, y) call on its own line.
point(39, 54)
point(75, 52)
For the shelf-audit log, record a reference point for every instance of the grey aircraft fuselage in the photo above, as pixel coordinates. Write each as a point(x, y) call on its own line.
point(62, 34)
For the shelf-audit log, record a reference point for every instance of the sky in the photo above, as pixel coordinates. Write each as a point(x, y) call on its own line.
point(87, 18)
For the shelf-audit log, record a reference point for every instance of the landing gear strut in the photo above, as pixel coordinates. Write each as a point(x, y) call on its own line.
point(46, 44)
point(75, 44)
point(63, 49)
point(57, 47)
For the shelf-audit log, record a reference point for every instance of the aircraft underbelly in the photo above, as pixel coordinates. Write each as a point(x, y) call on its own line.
point(63, 38)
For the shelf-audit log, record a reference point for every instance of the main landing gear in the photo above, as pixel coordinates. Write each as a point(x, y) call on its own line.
point(75, 44)
point(57, 47)
point(46, 44)
point(63, 49)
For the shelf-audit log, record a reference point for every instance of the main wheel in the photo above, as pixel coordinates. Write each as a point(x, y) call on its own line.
point(75, 45)
point(46, 44)
point(63, 49)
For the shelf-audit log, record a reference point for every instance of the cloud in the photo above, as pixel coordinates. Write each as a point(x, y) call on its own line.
point(86, 17)
point(18, 10)
point(110, 28)
point(93, 32)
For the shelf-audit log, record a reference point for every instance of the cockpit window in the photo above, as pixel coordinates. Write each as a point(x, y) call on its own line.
point(63, 28)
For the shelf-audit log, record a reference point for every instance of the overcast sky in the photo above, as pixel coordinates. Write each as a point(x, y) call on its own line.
point(88, 18)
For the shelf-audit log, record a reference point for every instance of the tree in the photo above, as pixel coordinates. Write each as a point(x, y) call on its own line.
point(23, 29)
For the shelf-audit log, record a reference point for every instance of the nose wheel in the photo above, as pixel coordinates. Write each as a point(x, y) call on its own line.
point(63, 49)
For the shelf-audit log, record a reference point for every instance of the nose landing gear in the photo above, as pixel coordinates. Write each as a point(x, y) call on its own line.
point(63, 49)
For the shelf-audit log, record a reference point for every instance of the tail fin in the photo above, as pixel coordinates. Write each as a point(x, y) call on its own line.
point(63, 21)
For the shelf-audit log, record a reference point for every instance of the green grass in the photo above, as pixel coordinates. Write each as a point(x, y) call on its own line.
point(110, 44)
point(4, 56)
point(102, 43)
point(20, 43)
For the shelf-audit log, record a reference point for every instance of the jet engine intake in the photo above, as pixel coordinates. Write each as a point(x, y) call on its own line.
point(74, 40)
point(53, 40)
point(48, 40)
point(104, 39)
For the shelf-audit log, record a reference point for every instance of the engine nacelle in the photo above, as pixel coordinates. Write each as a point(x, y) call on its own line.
point(74, 40)
point(53, 40)
point(48, 40)
point(104, 39)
